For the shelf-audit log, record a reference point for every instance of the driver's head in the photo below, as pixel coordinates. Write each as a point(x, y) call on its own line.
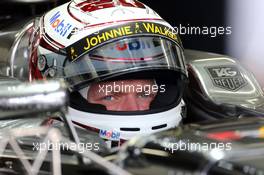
point(124, 65)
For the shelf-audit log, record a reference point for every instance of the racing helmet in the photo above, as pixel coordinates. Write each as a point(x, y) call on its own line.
point(93, 41)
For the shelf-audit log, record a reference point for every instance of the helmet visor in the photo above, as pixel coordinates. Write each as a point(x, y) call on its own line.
point(124, 56)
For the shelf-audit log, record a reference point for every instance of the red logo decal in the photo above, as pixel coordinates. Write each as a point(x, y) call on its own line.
point(93, 5)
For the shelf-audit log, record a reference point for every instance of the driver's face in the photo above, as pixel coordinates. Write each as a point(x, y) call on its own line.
point(125, 95)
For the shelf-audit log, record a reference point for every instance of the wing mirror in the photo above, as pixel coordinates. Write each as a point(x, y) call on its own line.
point(18, 98)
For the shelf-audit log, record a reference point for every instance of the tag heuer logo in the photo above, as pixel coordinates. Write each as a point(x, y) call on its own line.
point(227, 77)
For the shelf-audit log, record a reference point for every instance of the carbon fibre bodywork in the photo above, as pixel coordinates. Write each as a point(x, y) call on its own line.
point(226, 147)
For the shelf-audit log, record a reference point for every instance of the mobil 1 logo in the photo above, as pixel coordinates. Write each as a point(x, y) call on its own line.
point(59, 24)
point(227, 77)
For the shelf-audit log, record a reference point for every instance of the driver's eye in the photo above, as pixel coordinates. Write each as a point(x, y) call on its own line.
point(145, 95)
point(108, 98)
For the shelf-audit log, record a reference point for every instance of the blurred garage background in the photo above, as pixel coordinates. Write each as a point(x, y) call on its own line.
point(245, 19)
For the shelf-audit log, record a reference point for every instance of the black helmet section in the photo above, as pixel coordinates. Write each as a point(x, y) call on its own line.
point(174, 84)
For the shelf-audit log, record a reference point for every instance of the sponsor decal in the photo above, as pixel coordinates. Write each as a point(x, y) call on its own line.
point(109, 135)
point(95, 40)
point(133, 45)
point(59, 24)
point(227, 77)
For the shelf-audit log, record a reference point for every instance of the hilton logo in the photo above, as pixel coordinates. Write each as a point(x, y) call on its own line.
point(227, 77)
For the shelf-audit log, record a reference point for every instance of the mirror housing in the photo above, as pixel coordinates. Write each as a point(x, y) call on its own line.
point(17, 98)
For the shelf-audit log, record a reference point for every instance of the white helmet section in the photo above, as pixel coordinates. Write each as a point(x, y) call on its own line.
point(123, 125)
point(77, 19)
